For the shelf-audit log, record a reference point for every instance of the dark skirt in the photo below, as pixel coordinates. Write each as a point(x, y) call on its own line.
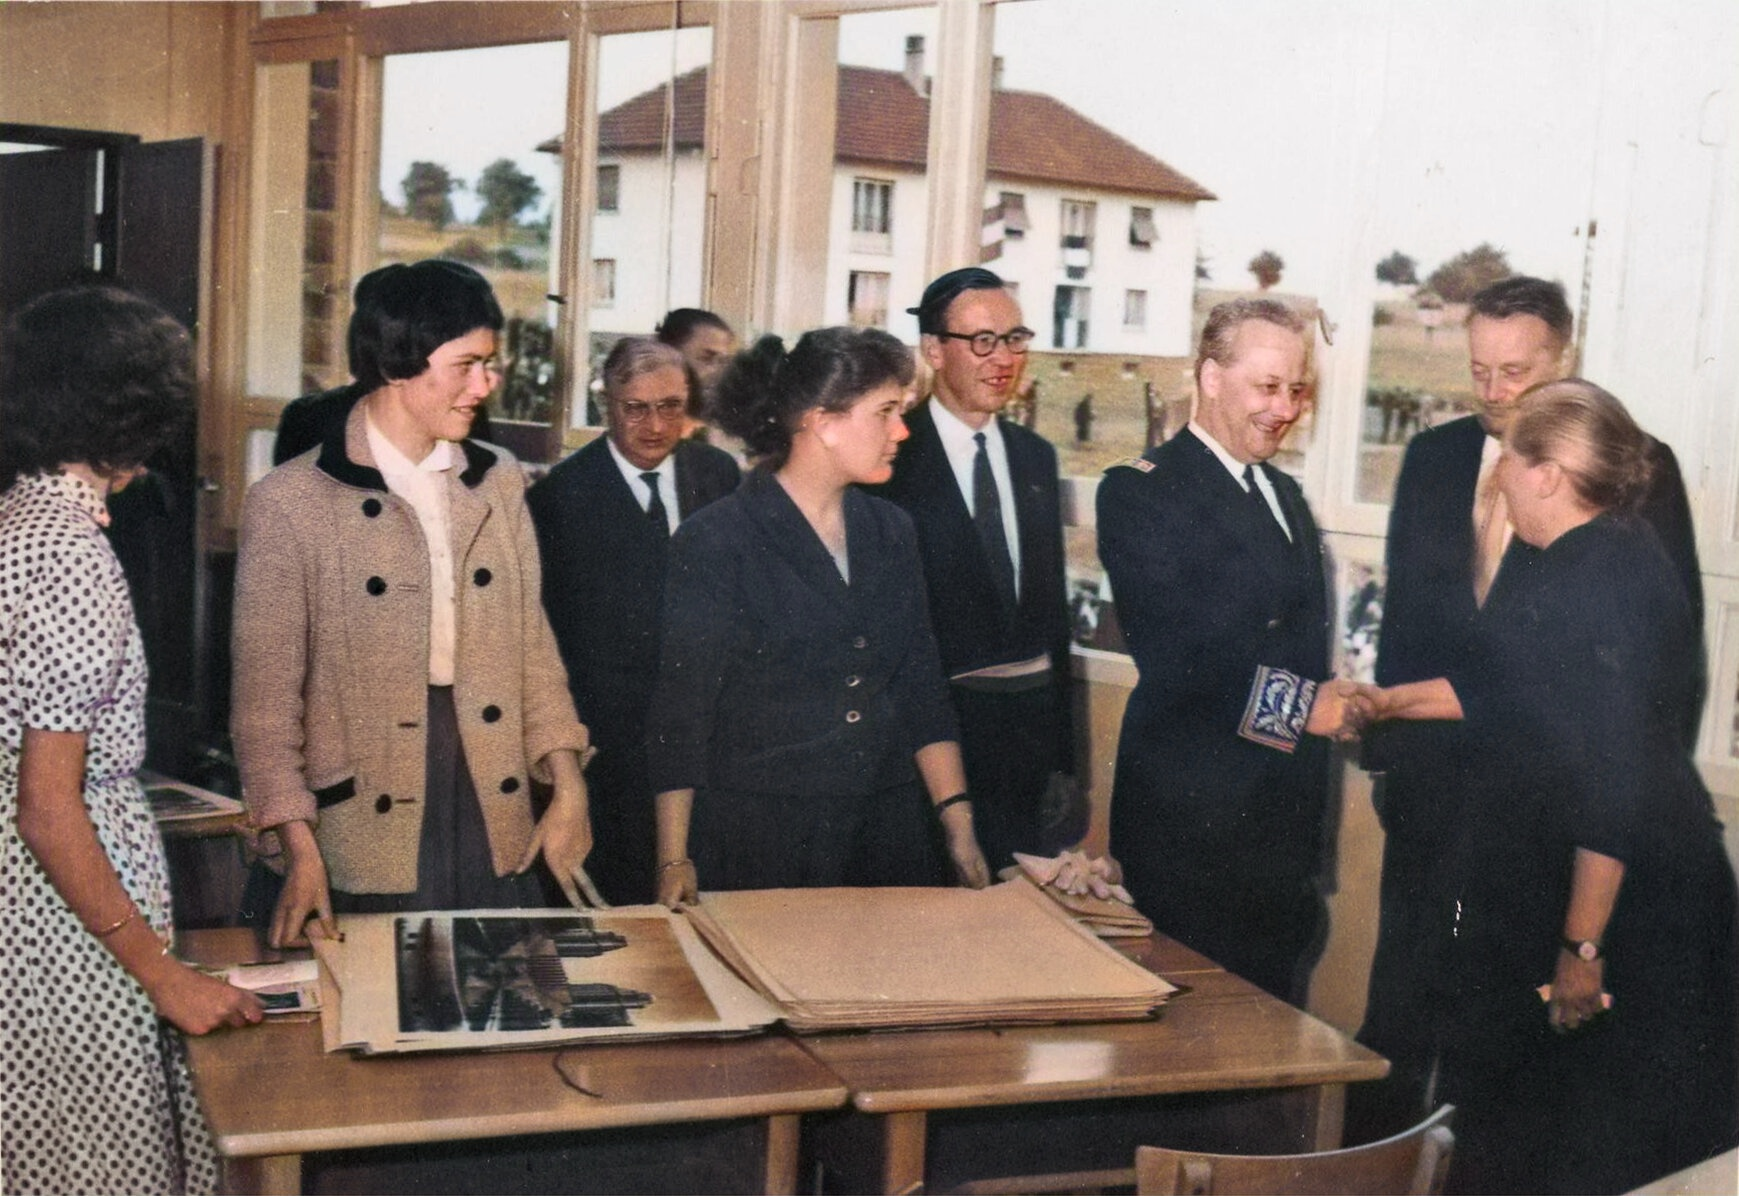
point(742, 840)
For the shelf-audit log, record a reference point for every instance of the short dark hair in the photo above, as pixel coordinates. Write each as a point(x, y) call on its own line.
point(679, 324)
point(1519, 295)
point(91, 374)
point(932, 309)
point(404, 313)
point(763, 395)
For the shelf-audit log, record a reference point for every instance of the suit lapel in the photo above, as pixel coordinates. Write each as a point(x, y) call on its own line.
point(687, 484)
point(790, 537)
point(1025, 473)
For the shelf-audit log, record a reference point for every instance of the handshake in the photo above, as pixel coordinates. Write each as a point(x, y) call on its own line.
point(1344, 708)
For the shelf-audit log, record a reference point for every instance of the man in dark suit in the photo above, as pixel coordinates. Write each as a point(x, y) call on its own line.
point(1448, 537)
point(983, 494)
point(1216, 566)
point(604, 518)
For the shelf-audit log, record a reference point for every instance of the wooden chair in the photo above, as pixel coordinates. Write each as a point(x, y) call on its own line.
point(1416, 1161)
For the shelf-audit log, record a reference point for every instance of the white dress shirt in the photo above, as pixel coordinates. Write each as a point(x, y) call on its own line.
point(962, 449)
point(666, 472)
point(423, 484)
point(1235, 467)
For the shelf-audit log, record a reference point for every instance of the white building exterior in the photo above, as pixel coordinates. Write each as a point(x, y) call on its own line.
point(1097, 237)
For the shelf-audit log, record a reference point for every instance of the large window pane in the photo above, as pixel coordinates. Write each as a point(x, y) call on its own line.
point(1466, 193)
point(294, 344)
point(649, 216)
point(465, 174)
point(876, 243)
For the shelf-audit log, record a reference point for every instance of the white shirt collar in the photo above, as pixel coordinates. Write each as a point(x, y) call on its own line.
point(388, 458)
point(958, 435)
point(1233, 466)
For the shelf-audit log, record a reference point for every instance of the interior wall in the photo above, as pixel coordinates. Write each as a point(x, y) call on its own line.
point(155, 69)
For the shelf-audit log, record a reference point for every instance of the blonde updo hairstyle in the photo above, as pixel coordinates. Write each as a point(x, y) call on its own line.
point(1589, 435)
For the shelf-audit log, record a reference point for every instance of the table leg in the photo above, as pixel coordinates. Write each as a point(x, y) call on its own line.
point(269, 1175)
point(1325, 1117)
point(781, 1175)
point(903, 1153)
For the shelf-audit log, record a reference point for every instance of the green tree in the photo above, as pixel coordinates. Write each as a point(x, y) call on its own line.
point(427, 187)
point(506, 191)
point(1464, 275)
point(1398, 269)
point(1266, 266)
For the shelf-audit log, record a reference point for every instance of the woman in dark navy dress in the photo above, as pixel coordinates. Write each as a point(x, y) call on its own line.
point(800, 698)
point(1589, 948)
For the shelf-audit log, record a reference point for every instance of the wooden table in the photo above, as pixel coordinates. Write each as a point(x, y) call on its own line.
point(1048, 1084)
point(272, 1095)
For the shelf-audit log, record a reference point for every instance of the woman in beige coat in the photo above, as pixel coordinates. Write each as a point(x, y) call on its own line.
point(397, 686)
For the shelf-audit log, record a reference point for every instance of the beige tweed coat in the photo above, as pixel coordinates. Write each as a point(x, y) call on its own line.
point(331, 650)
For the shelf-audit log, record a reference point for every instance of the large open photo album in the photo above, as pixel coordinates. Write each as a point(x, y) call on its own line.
point(491, 979)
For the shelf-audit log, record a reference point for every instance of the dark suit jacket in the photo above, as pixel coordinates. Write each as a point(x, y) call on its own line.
point(1207, 593)
point(1429, 611)
point(603, 578)
point(776, 677)
point(311, 419)
point(963, 602)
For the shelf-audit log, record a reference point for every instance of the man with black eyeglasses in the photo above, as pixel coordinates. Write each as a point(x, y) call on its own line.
point(983, 492)
point(604, 518)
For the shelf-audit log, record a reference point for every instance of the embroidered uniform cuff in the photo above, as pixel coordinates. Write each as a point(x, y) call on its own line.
point(1278, 708)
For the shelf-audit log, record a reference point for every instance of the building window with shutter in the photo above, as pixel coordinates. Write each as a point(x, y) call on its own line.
point(609, 187)
point(1014, 217)
point(1135, 309)
point(1078, 216)
point(1142, 234)
point(603, 281)
point(867, 299)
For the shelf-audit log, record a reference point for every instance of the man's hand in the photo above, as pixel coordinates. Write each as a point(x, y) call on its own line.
point(1333, 713)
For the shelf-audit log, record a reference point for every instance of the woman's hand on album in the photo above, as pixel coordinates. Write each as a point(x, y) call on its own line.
point(196, 1003)
point(306, 896)
point(970, 867)
point(678, 883)
point(563, 836)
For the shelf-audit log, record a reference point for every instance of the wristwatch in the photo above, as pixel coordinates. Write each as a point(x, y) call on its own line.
point(1587, 950)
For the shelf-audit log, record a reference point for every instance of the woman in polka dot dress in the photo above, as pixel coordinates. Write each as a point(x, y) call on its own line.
point(96, 1090)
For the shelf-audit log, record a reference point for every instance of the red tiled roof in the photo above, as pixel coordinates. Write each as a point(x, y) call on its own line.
point(882, 121)
point(639, 122)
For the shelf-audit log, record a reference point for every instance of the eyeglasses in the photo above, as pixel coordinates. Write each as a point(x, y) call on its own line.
point(983, 344)
point(639, 413)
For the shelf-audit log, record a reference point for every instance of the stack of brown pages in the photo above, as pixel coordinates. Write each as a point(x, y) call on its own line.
point(835, 959)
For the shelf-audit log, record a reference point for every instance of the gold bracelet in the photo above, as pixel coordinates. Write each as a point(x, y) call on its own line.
point(106, 931)
point(675, 864)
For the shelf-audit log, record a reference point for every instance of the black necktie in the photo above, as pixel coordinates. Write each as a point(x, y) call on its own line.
point(655, 509)
point(1259, 502)
point(987, 517)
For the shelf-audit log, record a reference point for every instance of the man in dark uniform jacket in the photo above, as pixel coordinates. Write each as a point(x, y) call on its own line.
point(1216, 566)
point(994, 569)
point(603, 534)
point(1440, 566)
